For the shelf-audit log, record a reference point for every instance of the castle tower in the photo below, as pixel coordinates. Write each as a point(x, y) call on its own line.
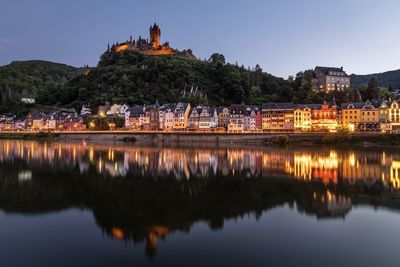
point(155, 36)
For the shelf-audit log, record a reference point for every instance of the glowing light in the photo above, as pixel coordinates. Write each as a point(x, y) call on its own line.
point(117, 233)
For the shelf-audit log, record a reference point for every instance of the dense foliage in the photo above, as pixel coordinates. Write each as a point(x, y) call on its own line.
point(42, 79)
point(136, 78)
point(387, 79)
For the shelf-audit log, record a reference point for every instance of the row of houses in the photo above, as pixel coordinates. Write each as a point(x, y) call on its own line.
point(182, 117)
point(269, 117)
point(377, 116)
point(40, 121)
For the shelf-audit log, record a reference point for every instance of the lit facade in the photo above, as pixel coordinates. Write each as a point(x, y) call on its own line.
point(302, 118)
point(327, 79)
point(369, 120)
point(351, 115)
point(278, 117)
point(324, 117)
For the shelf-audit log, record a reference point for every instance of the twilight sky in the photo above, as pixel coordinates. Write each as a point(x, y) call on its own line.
point(283, 36)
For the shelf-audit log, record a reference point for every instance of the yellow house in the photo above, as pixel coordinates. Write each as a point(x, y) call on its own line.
point(369, 119)
point(351, 115)
point(394, 112)
point(384, 117)
point(302, 118)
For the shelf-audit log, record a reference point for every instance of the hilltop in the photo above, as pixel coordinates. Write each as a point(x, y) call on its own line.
point(386, 79)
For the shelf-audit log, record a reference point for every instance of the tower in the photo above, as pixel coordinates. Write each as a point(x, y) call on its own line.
point(155, 36)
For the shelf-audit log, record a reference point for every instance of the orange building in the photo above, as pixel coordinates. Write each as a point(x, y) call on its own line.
point(324, 117)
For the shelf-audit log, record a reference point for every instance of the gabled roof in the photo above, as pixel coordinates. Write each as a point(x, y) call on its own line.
point(357, 105)
point(326, 70)
point(301, 106)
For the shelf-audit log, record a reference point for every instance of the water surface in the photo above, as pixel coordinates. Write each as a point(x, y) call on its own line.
point(64, 204)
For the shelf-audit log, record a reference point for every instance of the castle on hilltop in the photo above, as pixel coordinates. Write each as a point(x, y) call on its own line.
point(152, 47)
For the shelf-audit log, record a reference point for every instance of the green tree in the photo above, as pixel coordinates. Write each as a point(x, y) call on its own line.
point(217, 59)
point(372, 90)
point(386, 94)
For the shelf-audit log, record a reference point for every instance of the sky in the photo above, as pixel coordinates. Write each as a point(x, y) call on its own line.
point(282, 36)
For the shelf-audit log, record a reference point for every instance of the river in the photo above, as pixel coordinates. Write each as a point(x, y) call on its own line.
point(69, 204)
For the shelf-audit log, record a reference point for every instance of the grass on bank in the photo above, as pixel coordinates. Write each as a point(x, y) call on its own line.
point(29, 136)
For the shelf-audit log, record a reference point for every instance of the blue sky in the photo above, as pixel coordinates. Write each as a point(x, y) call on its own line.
point(283, 36)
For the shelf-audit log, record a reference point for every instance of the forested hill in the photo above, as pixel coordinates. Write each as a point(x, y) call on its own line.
point(42, 79)
point(132, 77)
point(386, 79)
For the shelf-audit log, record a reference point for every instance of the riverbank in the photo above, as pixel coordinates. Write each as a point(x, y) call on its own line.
point(29, 136)
point(364, 139)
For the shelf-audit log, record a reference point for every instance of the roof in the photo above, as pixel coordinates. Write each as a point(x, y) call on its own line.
point(135, 110)
point(326, 70)
point(360, 105)
point(287, 105)
point(211, 111)
point(357, 105)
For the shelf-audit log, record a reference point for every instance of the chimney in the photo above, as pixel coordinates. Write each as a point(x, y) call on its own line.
point(341, 68)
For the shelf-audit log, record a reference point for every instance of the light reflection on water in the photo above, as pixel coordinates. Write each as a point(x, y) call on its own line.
point(144, 196)
point(325, 165)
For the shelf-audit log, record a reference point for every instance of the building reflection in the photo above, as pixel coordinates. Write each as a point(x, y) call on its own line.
point(326, 166)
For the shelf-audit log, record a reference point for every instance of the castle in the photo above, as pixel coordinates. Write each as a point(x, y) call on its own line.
point(153, 48)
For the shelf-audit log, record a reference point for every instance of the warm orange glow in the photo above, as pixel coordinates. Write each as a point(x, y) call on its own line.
point(117, 233)
point(121, 48)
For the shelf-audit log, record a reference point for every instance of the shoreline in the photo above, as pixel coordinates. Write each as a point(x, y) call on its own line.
point(199, 138)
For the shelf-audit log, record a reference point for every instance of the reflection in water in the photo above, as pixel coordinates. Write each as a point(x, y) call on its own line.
point(142, 194)
point(327, 166)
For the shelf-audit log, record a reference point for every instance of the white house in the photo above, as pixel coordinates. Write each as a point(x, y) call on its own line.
point(213, 117)
point(204, 119)
point(28, 100)
point(249, 121)
point(169, 119)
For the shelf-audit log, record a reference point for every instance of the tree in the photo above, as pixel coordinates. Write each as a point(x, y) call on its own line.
point(386, 94)
point(217, 59)
point(372, 90)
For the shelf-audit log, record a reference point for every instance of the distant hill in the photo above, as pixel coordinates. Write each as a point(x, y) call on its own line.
point(41, 79)
point(389, 78)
